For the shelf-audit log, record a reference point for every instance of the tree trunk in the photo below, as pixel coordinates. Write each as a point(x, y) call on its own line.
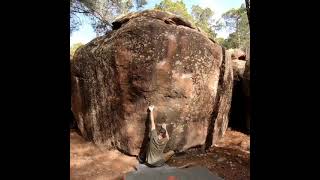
point(248, 10)
point(238, 32)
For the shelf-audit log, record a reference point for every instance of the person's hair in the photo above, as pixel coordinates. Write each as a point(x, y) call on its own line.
point(163, 132)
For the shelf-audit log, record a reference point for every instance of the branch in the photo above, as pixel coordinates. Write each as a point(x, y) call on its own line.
point(80, 9)
point(82, 12)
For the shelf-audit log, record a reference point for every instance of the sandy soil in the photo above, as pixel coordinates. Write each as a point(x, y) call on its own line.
point(230, 159)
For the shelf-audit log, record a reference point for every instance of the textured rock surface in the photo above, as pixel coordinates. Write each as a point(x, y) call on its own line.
point(237, 54)
point(238, 69)
point(151, 58)
point(246, 78)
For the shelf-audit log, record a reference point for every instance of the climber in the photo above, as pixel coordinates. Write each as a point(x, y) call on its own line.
point(157, 143)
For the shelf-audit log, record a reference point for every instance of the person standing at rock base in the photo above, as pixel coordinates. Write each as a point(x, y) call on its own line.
point(157, 143)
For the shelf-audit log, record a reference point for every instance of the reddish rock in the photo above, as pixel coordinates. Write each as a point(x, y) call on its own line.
point(155, 58)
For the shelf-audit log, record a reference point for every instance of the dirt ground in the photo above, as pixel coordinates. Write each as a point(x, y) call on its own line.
point(230, 159)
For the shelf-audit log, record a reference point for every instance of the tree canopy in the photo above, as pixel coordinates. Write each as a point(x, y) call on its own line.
point(236, 21)
point(101, 12)
point(178, 8)
point(200, 17)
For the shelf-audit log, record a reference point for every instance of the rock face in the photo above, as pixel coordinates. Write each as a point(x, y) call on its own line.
point(238, 69)
point(240, 106)
point(148, 58)
point(237, 54)
point(246, 78)
point(246, 91)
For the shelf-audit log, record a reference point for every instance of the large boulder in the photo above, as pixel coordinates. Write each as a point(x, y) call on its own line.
point(148, 58)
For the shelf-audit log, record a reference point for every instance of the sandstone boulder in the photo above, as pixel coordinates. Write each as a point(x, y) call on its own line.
point(148, 58)
point(237, 54)
point(238, 69)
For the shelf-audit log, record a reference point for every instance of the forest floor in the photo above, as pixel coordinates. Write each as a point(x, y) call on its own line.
point(230, 159)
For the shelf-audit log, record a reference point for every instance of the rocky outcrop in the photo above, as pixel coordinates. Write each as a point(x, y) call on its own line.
point(237, 54)
point(240, 106)
point(238, 69)
point(148, 58)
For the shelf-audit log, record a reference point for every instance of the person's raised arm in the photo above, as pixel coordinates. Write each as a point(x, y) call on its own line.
point(153, 126)
point(164, 126)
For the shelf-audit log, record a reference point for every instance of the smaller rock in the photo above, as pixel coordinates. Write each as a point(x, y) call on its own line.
point(238, 69)
point(237, 54)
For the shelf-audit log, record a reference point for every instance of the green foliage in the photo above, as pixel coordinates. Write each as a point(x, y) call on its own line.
point(231, 41)
point(220, 40)
point(178, 8)
point(101, 12)
point(202, 18)
point(237, 22)
point(232, 17)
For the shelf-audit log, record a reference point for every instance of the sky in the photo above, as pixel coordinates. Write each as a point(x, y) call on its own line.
point(86, 33)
